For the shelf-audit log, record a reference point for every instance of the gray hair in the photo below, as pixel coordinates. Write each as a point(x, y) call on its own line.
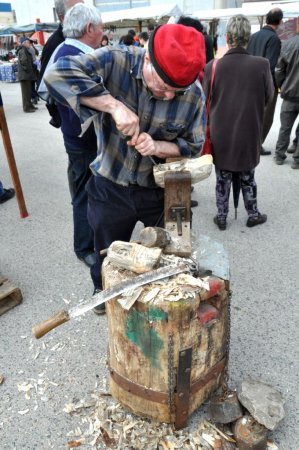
point(76, 19)
point(238, 31)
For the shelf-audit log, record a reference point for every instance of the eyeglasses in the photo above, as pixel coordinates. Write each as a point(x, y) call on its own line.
point(165, 89)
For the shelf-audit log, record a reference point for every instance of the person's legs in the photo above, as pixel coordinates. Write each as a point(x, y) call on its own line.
point(78, 175)
point(149, 205)
point(295, 164)
point(249, 192)
point(26, 95)
point(269, 116)
point(111, 215)
point(223, 186)
point(293, 146)
point(288, 116)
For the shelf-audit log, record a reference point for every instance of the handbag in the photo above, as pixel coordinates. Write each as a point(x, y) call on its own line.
point(207, 148)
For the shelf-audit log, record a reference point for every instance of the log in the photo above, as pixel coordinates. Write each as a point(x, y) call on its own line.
point(163, 362)
point(154, 237)
point(134, 257)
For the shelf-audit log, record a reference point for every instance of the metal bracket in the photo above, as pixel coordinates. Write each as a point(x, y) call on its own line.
point(178, 213)
point(183, 388)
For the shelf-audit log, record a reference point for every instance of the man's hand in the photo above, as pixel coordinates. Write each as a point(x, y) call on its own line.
point(126, 122)
point(145, 145)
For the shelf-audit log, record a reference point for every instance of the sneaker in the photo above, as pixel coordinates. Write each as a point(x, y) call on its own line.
point(278, 161)
point(7, 195)
point(194, 203)
point(221, 223)
point(253, 221)
point(100, 309)
point(291, 149)
point(295, 165)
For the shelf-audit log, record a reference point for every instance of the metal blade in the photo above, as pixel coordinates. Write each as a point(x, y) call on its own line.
point(125, 286)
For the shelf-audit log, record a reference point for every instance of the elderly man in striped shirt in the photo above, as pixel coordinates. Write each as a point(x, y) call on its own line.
point(146, 105)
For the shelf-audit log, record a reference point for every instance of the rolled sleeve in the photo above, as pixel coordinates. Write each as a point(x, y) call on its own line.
point(74, 76)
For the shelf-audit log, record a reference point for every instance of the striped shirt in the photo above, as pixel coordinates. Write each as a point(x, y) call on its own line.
point(118, 71)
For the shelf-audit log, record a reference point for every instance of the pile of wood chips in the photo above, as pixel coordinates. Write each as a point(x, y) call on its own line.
point(107, 425)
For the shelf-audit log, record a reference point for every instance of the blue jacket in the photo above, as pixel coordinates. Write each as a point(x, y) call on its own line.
point(70, 122)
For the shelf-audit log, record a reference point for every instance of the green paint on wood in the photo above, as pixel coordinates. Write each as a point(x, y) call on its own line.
point(157, 314)
point(140, 332)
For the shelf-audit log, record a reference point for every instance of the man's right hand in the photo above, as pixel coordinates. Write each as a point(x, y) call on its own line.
point(126, 122)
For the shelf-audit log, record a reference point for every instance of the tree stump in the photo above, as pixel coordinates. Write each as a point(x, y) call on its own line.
point(166, 357)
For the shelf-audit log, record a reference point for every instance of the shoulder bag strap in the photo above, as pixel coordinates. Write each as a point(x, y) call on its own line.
point(211, 85)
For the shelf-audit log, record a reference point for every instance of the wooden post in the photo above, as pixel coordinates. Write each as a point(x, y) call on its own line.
point(11, 162)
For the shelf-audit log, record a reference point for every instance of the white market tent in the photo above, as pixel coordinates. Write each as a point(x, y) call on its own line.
point(133, 17)
point(250, 9)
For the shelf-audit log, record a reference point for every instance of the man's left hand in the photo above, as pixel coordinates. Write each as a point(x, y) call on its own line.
point(145, 145)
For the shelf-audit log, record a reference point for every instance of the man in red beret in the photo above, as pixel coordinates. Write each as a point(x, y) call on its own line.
point(146, 106)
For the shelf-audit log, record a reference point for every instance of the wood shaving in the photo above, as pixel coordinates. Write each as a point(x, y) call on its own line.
point(25, 411)
point(110, 426)
point(74, 444)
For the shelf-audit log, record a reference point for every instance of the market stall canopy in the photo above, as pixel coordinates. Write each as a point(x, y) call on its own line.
point(31, 28)
point(130, 17)
point(249, 9)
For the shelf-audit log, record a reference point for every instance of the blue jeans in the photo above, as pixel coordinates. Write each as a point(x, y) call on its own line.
point(78, 175)
point(1, 189)
point(114, 210)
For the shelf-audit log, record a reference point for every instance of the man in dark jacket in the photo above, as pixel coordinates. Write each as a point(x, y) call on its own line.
point(267, 44)
point(242, 87)
point(26, 74)
point(61, 6)
point(287, 77)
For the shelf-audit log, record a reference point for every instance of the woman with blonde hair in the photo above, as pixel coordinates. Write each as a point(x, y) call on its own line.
point(241, 89)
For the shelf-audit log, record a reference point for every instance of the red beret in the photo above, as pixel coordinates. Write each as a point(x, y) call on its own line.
point(177, 53)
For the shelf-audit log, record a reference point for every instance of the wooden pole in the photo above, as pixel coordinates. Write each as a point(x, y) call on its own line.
point(11, 162)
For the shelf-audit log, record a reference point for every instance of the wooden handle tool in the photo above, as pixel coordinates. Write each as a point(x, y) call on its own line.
point(47, 325)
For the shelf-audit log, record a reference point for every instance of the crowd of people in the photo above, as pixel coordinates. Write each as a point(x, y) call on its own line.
point(145, 99)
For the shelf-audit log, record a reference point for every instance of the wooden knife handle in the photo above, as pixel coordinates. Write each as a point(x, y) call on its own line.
point(44, 327)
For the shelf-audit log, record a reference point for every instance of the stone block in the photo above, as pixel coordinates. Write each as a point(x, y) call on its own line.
point(249, 434)
point(225, 410)
point(263, 402)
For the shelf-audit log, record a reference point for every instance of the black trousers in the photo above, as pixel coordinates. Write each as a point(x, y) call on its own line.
point(269, 116)
point(114, 210)
point(78, 175)
point(26, 94)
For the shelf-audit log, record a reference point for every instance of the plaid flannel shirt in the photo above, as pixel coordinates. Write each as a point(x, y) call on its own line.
point(118, 71)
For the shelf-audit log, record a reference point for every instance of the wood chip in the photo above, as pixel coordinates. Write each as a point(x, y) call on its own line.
point(74, 444)
point(108, 440)
point(25, 411)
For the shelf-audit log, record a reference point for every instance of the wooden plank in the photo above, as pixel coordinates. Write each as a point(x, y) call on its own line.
point(178, 195)
point(10, 295)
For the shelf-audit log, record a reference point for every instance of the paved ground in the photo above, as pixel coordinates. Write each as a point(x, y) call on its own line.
point(37, 254)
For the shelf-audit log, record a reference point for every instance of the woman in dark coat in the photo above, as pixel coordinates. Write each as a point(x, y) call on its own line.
point(242, 88)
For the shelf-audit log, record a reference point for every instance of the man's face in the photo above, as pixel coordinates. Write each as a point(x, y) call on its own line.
point(156, 85)
point(96, 33)
point(26, 44)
